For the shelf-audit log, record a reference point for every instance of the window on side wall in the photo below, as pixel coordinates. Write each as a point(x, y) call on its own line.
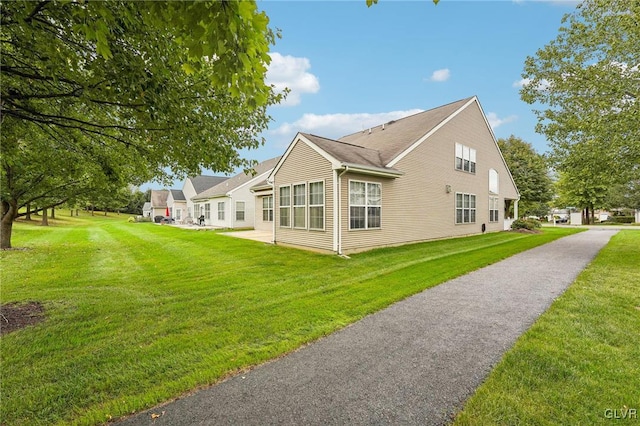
point(316, 205)
point(207, 211)
point(221, 210)
point(493, 209)
point(240, 211)
point(465, 208)
point(267, 209)
point(365, 205)
point(285, 206)
point(299, 205)
point(465, 158)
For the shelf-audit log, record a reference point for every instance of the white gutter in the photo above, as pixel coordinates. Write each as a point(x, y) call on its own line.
point(369, 170)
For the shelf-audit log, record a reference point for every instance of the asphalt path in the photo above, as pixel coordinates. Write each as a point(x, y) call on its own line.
point(415, 362)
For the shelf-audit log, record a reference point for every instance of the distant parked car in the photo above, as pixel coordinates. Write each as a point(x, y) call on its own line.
point(562, 220)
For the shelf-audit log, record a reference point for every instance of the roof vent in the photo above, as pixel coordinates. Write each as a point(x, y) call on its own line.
point(369, 130)
point(383, 127)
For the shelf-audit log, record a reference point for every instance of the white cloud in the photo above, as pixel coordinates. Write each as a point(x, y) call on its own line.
point(495, 121)
point(336, 125)
point(286, 71)
point(522, 82)
point(440, 75)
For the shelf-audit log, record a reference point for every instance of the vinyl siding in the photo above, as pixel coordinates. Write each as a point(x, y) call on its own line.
point(416, 206)
point(303, 164)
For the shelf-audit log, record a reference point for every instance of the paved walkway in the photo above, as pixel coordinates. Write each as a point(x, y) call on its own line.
point(415, 362)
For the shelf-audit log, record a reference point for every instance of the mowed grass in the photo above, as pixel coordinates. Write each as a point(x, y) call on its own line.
point(580, 362)
point(137, 313)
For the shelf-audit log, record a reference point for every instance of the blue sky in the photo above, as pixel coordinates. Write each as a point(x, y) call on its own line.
point(350, 67)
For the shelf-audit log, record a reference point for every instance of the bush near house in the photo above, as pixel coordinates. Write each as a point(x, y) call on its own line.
point(530, 224)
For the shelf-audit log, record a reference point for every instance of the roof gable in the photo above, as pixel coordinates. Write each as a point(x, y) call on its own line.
point(159, 197)
point(238, 180)
point(203, 182)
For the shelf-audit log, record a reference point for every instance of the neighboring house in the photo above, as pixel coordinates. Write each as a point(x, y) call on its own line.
point(435, 174)
point(177, 204)
point(195, 185)
point(159, 202)
point(146, 209)
point(231, 204)
point(263, 213)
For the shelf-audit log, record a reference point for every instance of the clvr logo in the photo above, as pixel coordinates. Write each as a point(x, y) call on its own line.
point(621, 413)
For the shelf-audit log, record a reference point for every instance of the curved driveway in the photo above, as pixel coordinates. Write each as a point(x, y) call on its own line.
point(415, 362)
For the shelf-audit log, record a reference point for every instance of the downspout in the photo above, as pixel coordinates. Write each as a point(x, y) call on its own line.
point(338, 228)
point(273, 215)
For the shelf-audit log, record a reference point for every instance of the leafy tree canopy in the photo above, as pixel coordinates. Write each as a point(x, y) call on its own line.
point(586, 85)
point(141, 89)
point(530, 173)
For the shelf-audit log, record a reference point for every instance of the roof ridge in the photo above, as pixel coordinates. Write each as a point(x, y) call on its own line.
point(409, 116)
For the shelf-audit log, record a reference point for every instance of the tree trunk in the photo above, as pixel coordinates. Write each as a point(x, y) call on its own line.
point(45, 218)
point(28, 215)
point(9, 211)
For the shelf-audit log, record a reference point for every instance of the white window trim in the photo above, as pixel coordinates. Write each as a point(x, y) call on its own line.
point(280, 207)
point(456, 208)
point(221, 203)
point(467, 153)
point(492, 173)
point(494, 202)
point(267, 209)
point(244, 211)
point(323, 205)
point(294, 205)
point(366, 198)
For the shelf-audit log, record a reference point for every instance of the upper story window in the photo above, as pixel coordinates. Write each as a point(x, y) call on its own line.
point(465, 158)
point(493, 181)
point(365, 205)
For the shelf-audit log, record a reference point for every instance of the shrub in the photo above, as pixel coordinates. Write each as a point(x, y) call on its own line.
point(620, 219)
point(530, 224)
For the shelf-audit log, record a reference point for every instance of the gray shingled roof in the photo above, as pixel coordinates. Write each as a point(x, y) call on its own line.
point(146, 206)
point(237, 180)
point(159, 198)
point(203, 182)
point(178, 195)
point(398, 135)
point(346, 152)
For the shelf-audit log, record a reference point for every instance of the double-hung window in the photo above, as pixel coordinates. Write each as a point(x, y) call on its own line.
point(240, 211)
point(300, 205)
point(493, 209)
point(365, 205)
point(221, 210)
point(285, 206)
point(465, 208)
point(316, 205)
point(465, 158)
point(207, 211)
point(267, 209)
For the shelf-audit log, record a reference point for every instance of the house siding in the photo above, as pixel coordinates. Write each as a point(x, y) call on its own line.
point(416, 206)
point(304, 164)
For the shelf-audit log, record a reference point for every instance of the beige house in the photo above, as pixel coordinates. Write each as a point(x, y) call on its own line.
point(158, 202)
point(231, 204)
point(435, 174)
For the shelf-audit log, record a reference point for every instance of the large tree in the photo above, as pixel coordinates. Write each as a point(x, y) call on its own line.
point(530, 173)
point(585, 86)
point(142, 89)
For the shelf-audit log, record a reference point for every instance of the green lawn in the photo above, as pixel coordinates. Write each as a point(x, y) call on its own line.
point(580, 362)
point(139, 313)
